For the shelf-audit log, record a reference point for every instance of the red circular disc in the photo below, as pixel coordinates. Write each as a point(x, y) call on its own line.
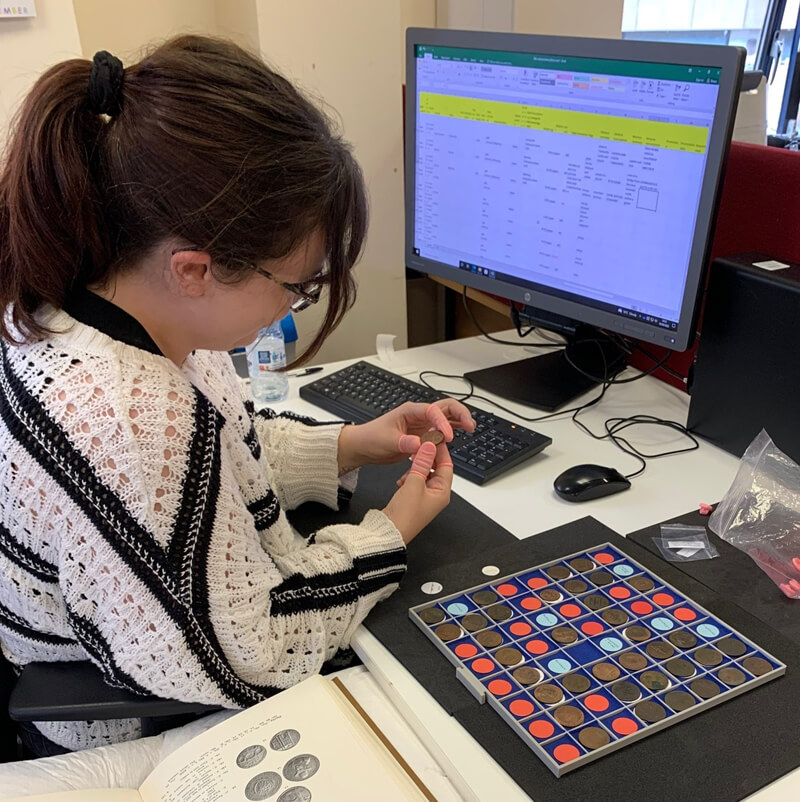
point(569, 610)
point(619, 592)
point(520, 628)
point(541, 729)
point(483, 666)
point(536, 646)
point(592, 628)
point(499, 687)
point(521, 708)
point(531, 603)
point(663, 599)
point(684, 614)
point(563, 753)
point(537, 582)
point(466, 650)
point(642, 607)
point(507, 589)
point(604, 558)
point(624, 725)
point(597, 703)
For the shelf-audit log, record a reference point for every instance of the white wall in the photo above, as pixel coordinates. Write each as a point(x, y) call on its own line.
point(348, 53)
point(28, 46)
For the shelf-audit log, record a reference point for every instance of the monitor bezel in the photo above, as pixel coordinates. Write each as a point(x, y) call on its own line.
point(731, 62)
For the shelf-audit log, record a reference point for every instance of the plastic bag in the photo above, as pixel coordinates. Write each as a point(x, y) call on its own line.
point(681, 543)
point(760, 513)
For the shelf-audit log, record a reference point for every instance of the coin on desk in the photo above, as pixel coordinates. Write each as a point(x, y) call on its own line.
point(568, 716)
point(548, 694)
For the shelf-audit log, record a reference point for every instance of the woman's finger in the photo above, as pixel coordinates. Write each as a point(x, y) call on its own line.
point(422, 463)
point(438, 420)
point(408, 444)
point(456, 413)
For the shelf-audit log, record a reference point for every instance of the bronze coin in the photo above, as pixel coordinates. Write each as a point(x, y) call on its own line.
point(682, 639)
point(508, 656)
point(633, 661)
point(525, 675)
point(707, 657)
point(654, 681)
point(558, 572)
point(733, 647)
point(615, 617)
point(679, 700)
point(757, 666)
point(659, 650)
point(499, 612)
point(473, 622)
point(679, 667)
point(550, 595)
point(595, 602)
point(593, 737)
point(638, 634)
point(568, 716)
point(641, 583)
point(601, 578)
point(564, 635)
point(489, 638)
point(446, 632)
point(650, 712)
point(548, 694)
point(484, 597)
point(433, 436)
point(432, 615)
point(705, 688)
point(625, 691)
point(581, 565)
point(605, 672)
point(731, 676)
point(576, 683)
point(575, 586)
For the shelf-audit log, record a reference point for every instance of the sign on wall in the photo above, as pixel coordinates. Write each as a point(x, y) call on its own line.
point(17, 10)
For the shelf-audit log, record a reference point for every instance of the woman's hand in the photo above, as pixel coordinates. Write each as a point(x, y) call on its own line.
point(424, 493)
point(396, 435)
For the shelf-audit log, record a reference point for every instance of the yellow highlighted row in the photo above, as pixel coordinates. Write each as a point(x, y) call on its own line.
point(674, 136)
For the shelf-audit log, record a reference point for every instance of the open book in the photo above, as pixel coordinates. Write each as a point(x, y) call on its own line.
point(311, 742)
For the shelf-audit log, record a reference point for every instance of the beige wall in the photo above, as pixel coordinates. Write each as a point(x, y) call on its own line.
point(600, 18)
point(28, 46)
point(348, 53)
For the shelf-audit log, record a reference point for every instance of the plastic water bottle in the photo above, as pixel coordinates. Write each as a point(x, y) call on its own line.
point(265, 357)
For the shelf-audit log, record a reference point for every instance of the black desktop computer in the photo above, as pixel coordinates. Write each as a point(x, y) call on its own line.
point(577, 178)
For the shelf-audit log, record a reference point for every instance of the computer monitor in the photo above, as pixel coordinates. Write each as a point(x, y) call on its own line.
point(577, 178)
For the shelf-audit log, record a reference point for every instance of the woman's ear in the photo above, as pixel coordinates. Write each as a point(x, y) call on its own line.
point(191, 272)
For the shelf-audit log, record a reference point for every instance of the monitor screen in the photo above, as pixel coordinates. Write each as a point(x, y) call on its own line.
point(576, 176)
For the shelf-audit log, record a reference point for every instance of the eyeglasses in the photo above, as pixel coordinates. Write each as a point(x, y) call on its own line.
point(306, 292)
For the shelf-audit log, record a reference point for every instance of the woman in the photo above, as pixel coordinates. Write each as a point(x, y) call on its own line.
point(152, 218)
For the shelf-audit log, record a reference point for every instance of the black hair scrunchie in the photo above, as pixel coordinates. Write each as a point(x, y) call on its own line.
point(105, 84)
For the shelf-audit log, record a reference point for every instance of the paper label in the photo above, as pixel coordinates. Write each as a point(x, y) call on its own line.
point(771, 264)
point(686, 552)
point(686, 544)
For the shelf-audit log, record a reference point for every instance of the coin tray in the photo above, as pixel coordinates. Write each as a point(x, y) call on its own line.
point(533, 621)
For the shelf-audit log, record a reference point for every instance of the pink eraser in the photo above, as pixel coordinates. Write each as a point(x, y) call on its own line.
point(706, 509)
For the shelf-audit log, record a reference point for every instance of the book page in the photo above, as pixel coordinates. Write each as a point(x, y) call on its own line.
point(101, 795)
point(297, 746)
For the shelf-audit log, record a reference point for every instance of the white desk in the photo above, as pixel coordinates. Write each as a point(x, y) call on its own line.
point(523, 502)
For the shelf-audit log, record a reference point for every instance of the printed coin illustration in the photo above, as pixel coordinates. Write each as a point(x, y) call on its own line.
point(484, 597)
point(708, 657)
point(637, 634)
point(564, 635)
point(593, 737)
point(432, 615)
point(558, 572)
point(731, 646)
point(550, 595)
point(548, 694)
point(575, 586)
point(757, 666)
point(499, 612)
point(679, 700)
point(614, 618)
point(250, 756)
point(596, 602)
point(568, 716)
point(434, 436)
point(641, 583)
point(576, 683)
point(508, 656)
point(654, 680)
point(525, 675)
point(581, 565)
point(650, 712)
point(679, 667)
point(633, 661)
point(705, 688)
point(447, 632)
point(301, 768)
point(283, 740)
point(296, 794)
point(731, 676)
point(262, 786)
point(605, 672)
point(601, 578)
point(489, 639)
point(473, 622)
point(683, 639)
point(659, 650)
point(625, 691)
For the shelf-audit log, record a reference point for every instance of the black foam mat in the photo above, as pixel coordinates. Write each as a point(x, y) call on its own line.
point(720, 755)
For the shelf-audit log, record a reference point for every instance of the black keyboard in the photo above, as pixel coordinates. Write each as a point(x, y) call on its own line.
point(362, 392)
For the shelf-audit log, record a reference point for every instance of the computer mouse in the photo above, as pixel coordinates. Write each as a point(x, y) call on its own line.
point(585, 482)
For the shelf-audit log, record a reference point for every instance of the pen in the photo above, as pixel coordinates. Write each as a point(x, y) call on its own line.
point(306, 371)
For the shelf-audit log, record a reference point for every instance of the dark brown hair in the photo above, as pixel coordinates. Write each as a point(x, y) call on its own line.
point(211, 146)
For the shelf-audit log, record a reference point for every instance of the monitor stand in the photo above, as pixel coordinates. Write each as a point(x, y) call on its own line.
point(549, 381)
